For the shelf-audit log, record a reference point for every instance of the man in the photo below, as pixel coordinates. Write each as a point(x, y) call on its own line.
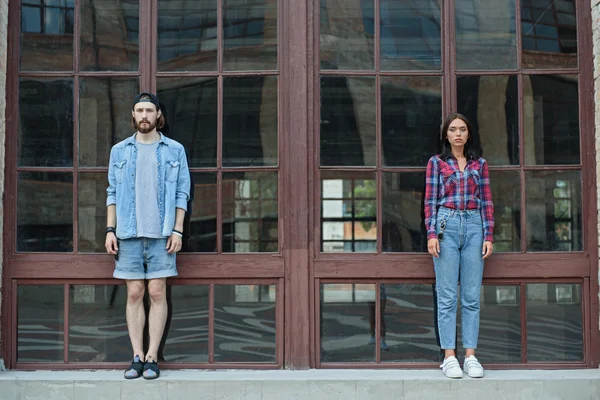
point(149, 187)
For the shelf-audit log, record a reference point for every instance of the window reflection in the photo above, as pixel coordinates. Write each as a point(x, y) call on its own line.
point(345, 328)
point(411, 112)
point(485, 34)
point(91, 221)
point(104, 117)
point(45, 122)
point(410, 34)
point(45, 212)
point(190, 109)
point(491, 105)
point(549, 31)
point(47, 35)
point(187, 35)
point(200, 223)
point(348, 118)
point(249, 35)
point(250, 212)
point(250, 121)
point(40, 323)
point(554, 211)
point(109, 35)
point(554, 322)
point(551, 119)
point(250, 338)
point(403, 227)
point(506, 194)
point(347, 34)
point(348, 212)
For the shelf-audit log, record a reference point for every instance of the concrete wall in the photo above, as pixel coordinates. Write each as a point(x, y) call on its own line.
point(3, 50)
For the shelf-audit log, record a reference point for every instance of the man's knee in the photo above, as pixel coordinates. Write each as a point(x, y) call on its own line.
point(157, 289)
point(135, 291)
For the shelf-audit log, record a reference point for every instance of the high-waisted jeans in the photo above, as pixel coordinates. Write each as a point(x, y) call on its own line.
point(460, 255)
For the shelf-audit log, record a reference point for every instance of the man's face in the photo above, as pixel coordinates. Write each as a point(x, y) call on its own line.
point(145, 116)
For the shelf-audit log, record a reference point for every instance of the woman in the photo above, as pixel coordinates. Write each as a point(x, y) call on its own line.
point(459, 216)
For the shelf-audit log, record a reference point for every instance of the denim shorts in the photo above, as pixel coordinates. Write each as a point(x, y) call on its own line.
point(144, 258)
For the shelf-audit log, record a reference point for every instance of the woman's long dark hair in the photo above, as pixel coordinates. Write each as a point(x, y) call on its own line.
point(472, 151)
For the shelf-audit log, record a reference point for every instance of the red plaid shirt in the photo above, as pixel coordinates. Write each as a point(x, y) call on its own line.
point(446, 186)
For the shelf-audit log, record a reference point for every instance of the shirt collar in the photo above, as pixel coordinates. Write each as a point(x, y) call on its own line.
point(131, 139)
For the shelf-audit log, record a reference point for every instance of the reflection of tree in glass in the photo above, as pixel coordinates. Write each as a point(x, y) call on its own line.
point(366, 207)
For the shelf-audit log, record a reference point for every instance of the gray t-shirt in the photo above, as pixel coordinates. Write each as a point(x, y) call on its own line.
point(146, 191)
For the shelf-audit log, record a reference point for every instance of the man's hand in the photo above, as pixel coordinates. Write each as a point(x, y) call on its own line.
point(174, 243)
point(487, 250)
point(433, 247)
point(111, 243)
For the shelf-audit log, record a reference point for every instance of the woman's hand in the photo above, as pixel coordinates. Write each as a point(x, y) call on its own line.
point(433, 247)
point(488, 249)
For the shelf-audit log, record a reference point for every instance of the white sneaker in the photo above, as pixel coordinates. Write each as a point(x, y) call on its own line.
point(473, 368)
point(451, 368)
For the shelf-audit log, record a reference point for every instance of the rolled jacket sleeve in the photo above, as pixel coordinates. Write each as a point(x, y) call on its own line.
point(111, 190)
point(182, 195)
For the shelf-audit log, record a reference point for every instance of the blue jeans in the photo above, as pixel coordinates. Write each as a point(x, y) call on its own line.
point(144, 258)
point(460, 253)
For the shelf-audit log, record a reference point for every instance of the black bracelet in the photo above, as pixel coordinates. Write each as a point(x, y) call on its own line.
point(110, 229)
point(176, 231)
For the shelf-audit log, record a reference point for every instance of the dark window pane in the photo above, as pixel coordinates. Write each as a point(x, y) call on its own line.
point(506, 194)
point(403, 228)
point(344, 321)
point(407, 322)
point(200, 223)
point(187, 35)
point(46, 38)
point(500, 324)
point(347, 34)
point(40, 323)
point(109, 35)
point(250, 121)
point(554, 211)
point(46, 122)
point(554, 25)
point(411, 109)
point(190, 108)
point(348, 212)
point(250, 212)
point(410, 34)
point(104, 116)
point(348, 121)
point(250, 338)
point(485, 34)
point(551, 119)
point(554, 322)
point(91, 223)
point(249, 35)
point(45, 212)
point(97, 325)
point(187, 332)
point(491, 105)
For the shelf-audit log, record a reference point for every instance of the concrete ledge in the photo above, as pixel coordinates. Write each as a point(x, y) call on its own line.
point(312, 384)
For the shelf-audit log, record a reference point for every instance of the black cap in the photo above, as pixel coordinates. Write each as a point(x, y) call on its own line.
point(151, 99)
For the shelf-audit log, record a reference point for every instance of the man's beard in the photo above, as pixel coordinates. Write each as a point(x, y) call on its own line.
point(147, 127)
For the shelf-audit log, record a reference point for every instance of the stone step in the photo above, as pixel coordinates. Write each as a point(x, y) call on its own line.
point(311, 384)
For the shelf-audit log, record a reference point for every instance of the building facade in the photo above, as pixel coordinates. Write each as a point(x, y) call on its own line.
point(308, 125)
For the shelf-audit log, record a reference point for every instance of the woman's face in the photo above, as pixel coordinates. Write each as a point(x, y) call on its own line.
point(457, 133)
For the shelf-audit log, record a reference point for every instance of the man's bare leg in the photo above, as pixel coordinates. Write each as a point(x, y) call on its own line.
point(135, 315)
point(157, 291)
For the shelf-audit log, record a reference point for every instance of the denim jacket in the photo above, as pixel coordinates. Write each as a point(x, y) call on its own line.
point(173, 184)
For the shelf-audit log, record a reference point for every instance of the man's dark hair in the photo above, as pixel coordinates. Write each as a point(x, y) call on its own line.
point(472, 151)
